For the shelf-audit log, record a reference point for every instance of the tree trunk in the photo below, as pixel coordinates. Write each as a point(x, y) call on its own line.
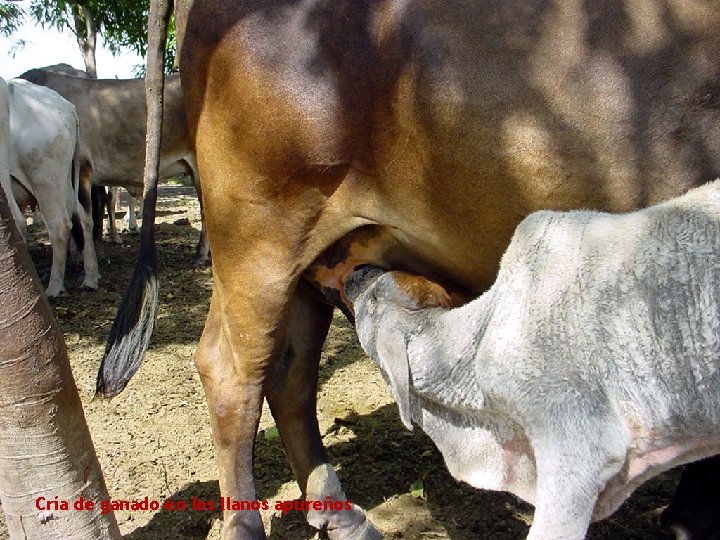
point(45, 445)
point(86, 34)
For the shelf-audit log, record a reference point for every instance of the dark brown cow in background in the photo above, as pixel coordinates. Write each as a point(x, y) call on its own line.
point(112, 117)
point(420, 133)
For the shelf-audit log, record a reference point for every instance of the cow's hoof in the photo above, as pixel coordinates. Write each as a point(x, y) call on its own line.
point(54, 292)
point(347, 522)
point(345, 525)
point(202, 261)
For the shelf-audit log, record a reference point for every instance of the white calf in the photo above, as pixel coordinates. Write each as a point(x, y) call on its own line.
point(591, 365)
point(44, 132)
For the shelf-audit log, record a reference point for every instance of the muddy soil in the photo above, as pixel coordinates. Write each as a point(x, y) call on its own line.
point(154, 439)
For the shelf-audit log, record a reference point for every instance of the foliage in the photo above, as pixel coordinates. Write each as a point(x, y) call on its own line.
point(170, 67)
point(11, 16)
point(271, 434)
point(122, 24)
point(417, 489)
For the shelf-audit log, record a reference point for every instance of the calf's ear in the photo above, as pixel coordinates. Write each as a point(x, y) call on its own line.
point(393, 359)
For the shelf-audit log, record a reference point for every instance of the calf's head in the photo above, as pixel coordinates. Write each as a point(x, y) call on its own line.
point(384, 304)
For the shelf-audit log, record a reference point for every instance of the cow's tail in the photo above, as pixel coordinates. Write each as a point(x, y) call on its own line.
point(132, 329)
point(77, 230)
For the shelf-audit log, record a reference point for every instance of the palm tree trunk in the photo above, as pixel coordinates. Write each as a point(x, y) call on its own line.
point(45, 446)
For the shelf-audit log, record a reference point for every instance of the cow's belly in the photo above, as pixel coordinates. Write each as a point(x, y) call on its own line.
point(109, 169)
point(459, 153)
point(454, 227)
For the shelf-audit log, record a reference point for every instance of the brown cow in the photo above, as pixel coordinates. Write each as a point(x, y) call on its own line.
point(112, 131)
point(426, 131)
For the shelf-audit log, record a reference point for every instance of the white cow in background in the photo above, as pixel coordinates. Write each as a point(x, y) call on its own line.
point(591, 365)
point(44, 135)
point(5, 157)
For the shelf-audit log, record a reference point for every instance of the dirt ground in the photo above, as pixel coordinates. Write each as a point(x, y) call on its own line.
point(154, 439)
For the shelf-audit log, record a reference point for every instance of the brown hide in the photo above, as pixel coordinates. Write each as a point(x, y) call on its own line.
point(439, 125)
point(446, 123)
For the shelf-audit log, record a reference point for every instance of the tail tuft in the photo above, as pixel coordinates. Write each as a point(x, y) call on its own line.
point(131, 331)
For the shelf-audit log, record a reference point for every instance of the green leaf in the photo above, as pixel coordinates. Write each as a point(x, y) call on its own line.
point(417, 489)
point(272, 433)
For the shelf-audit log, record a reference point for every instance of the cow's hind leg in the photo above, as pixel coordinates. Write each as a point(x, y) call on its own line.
point(234, 398)
point(271, 207)
point(202, 251)
point(90, 263)
point(83, 213)
point(291, 392)
point(98, 195)
point(113, 196)
point(134, 204)
point(58, 224)
point(237, 363)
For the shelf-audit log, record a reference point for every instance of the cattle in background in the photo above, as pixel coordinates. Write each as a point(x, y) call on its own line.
point(44, 168)
point(112, 117)
point(134, 204)
point(429, 130)
point(590, 366)
point(5, 141)
point(66, 69)
point(101, 198)
point(112, 200)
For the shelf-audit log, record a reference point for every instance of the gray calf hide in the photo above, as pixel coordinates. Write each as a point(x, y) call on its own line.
point(590, 366)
